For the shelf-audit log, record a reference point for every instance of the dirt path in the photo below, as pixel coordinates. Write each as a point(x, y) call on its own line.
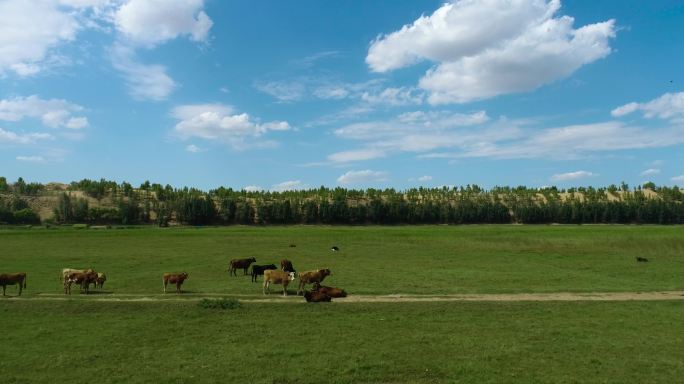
point(397, 298)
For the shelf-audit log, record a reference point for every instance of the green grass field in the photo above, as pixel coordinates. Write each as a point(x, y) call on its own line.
point(80, 340)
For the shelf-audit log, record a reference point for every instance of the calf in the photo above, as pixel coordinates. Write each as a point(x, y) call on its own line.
point(334, 248)
point(236, 264)
point(286, 265)
point(13, 279)
point(258, 270)
point(330, 291)
point(174, 278)
point(641, 259)
point(277, 277)
point(310, 277)
point(316, 297)
point(82, 278)
point(101, 278)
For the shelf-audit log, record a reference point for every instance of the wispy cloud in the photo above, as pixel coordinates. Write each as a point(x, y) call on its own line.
point(569, 176)
point(53, 113)
point(650, 172)
point(362, 177)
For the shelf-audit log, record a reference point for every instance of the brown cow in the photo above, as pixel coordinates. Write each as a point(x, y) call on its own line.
point(174, 278)
point(101, 278)
point(277, 277)
point(84, 279)
point(330, 291)
point(310, 277)
point(316, 297)
point(13, 279)
point(236, 264)
point(286, 265)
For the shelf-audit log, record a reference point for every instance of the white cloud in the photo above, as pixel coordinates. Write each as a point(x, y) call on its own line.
point(650, 172)
point(572, 176)
point(394, 96)
point(356, 155)
point(150, 22)
point(53, 113)
point(488, 48)
point(144, 81)
point(9, 137)
point(31, 159)
point(668, 106)
point(192, 148)
point(29, 33)
point(362, 177)
point(284, 91)
point(290, 185)
point(678, 179)
point(253, 188)
point(425, 178)
point(218, 122)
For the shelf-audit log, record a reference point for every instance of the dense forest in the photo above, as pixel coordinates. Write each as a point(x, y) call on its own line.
point(108, 202)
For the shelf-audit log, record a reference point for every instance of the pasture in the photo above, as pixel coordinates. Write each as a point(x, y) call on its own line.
point(171, 338)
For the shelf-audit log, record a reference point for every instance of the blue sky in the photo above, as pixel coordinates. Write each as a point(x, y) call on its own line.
point(297, 94)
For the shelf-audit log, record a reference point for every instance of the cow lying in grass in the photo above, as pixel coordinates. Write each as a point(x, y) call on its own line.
point(243, 264)
point(310, 277)
point(84, 279)
point(277, 277)
point(316, 297)
point(258, 270)
point(18, 279)
point(174, 278)
point(330, 291)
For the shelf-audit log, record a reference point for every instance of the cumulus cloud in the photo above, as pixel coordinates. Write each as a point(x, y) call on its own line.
point(362, 177)
point(669, 106)
point(290, 185)
point(572, 176)
point(150, 22)
point(650, 172)
point(9, 137)
point(29, 33)
point(144, 81)
point(53, 113)
point(425, 178)
point(253, 188)
point(678, 179)
point(219, 122)
point(493, 47)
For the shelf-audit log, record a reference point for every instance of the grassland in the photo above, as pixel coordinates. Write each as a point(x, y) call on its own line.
point(373, 260)
point(80, 340)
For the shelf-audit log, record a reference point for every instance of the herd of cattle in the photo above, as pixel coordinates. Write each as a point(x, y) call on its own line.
point(271, 275)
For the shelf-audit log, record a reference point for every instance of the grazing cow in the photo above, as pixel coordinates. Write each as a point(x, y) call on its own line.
point(67, 271)
point(277, 277)
point(13, 279)
point(101, 278)
point(84, 279)
point(310, 277)
point(330, 291)
point(258, 270)
point(335, 248)
point(641, 259)
point(174, 278)
point(240, 264)
point(316, 297)
point(293, 245)
point(286, 265)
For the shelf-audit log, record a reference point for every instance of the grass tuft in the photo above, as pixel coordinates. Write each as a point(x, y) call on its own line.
point(222, 303)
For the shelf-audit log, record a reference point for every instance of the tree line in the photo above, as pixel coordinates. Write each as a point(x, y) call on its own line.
point(151, 203)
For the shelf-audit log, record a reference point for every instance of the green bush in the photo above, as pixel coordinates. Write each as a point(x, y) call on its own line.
point(26, 216)
point(222, 303)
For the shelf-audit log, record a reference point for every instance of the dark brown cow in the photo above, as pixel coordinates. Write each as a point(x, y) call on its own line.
point(13, 279)
point(330, 291)
point(310, 277)
point(236, 264)
point(174, 278)
point(84, 279)
point(316, 297)
point(277, 277)
point(286, 265)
